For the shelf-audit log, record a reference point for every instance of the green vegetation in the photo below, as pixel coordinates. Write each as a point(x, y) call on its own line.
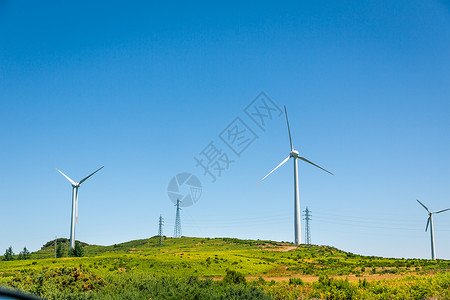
point(77, 251)
point(222, 268)
point(9, 254)
point(24, 254)
point(60, 250)
point(234, 277)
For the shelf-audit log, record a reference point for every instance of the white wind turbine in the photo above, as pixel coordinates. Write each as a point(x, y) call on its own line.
point(430, 222)
point(75, 186)
point(294, 154)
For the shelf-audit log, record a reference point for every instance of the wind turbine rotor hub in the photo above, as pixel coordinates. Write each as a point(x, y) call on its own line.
point(294, 153)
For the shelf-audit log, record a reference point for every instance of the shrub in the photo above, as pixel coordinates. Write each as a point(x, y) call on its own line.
point(234, 277)
point(295, 281)
point(59, 250)
point(77, 251)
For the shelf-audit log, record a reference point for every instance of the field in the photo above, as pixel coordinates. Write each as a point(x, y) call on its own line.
point(224, 268)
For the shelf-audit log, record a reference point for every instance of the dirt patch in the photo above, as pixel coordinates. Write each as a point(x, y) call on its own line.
point(281, 248)
point(312, 278)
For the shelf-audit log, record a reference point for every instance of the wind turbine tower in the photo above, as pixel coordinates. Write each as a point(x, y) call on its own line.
point(430, 222)
point(74, 218)
point(307, 218)
point(295, 155)
point(160, 230)
point(177, 230)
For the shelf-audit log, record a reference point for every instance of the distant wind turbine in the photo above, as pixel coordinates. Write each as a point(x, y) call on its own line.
point(430, 222)
point(294, 154)
point(75, 187)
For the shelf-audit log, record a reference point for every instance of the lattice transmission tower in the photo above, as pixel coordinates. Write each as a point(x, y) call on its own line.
point(177, 230)
point(160, 230)
point(307, 216)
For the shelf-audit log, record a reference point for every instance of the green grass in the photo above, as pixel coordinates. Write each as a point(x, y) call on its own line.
point(179, 262)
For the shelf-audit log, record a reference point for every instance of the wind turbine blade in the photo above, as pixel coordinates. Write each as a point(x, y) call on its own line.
point(439, 211)
point(84, 179)
point(287, 158)
point(428, 223)
point(304, 159)
point(424, 206)
point(73, 182)
point(289, 130)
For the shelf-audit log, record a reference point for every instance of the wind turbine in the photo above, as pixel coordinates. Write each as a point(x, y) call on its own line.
point(295, 155)
point(430, 222)
point(75, 186)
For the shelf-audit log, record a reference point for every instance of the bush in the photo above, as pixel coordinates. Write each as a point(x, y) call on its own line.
point(77, 251)
point(57, 283)
point(295, 281)
point(234, 277)
point(79, 283)
point(331, 288)
point(59, 250)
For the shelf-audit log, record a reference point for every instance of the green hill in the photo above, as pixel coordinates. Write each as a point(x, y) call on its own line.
point(271, 268)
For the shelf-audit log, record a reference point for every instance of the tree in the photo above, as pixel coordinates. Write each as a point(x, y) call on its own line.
point(24, 254)
point(59, 250)
point(78, 251)
point(9, 254)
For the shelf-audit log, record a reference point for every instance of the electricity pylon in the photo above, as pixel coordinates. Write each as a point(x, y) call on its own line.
point(307, 216)
point(177, 231)
point(160, 230)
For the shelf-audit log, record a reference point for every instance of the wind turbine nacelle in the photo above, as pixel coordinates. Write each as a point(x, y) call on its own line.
point(294, 153)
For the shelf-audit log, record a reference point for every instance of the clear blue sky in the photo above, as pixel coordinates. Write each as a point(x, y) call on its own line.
point(143, 87)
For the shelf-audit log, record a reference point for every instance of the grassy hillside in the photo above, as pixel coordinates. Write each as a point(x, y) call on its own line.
point(270, 269)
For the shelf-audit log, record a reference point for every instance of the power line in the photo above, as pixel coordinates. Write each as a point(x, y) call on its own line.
point(354, 222)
